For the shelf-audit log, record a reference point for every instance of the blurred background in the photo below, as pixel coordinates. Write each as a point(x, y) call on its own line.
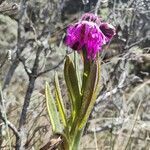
point(32, 49)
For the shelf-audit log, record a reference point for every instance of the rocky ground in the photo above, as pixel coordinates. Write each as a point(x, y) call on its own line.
point(121, 117)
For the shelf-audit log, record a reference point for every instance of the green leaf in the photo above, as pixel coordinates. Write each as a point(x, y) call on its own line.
point(52, 110)
point(77, 63)
point(87, 65)
point(59, 101)
point(90, 93)
point(72, 86)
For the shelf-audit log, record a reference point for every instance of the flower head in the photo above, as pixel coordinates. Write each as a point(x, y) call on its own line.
point(88, 34)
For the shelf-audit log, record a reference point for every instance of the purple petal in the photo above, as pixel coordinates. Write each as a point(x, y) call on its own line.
point(108, 30)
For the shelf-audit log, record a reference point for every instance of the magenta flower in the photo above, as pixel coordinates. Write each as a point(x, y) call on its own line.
point(89, 34)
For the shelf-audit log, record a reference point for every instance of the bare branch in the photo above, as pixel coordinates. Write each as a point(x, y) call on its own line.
point(136, 43)
point(50, 69)
point(22, 60)
point(11, 126)
point(97, 6)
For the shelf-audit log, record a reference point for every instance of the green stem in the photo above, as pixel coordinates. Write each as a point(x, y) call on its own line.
point(76, 138)
point(71, 142)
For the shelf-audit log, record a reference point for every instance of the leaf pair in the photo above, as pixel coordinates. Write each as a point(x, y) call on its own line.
point(89, 90)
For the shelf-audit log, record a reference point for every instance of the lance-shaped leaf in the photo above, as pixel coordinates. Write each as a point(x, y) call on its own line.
point(72, 85)
point(89, 94)
point(59, 101)
point(52, 110)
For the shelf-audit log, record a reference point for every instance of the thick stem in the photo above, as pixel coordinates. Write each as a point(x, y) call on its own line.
point(76, 138)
